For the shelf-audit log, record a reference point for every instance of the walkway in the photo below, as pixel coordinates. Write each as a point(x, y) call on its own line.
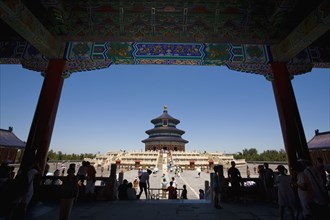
point(160, 210)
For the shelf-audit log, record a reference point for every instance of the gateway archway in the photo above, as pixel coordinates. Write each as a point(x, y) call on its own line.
point(59, 38)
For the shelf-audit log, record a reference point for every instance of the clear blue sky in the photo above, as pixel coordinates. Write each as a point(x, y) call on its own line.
point(110, 109)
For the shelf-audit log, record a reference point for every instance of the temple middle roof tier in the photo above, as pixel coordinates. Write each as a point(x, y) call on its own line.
point(162, 139)
point(165, 130)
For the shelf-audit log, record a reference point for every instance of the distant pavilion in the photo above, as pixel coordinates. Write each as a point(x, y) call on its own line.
point(10, 144)
point(319, 146)
point(165, 135)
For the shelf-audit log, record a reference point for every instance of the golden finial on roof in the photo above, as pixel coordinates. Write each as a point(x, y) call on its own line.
point(165, 108)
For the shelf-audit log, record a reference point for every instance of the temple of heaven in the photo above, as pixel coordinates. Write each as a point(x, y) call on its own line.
point(165, 135)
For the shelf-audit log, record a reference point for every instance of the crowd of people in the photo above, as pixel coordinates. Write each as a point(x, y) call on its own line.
point(302, 191)
point(133, 190)
point(17, 191)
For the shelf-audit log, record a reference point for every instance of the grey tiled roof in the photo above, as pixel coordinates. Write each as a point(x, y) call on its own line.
point(9, 139)
point(320, 140)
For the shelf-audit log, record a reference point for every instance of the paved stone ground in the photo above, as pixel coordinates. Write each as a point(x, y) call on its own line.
point(159, 209)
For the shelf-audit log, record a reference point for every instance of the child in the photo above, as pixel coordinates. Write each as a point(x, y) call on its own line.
point(201, 194)
point(184, 192)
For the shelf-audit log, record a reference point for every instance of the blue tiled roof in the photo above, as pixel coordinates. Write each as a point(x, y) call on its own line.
point(321, 140)
point(10, 140)
point(165, 129)
point(165, 115)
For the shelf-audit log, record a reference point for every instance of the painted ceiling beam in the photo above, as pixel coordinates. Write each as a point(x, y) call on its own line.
point(307, 32)
point(24, 23)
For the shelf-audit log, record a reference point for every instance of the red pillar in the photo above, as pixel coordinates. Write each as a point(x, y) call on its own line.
point(41, 130)
point(292, 129)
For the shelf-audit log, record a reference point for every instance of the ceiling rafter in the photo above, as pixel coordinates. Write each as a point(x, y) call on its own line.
point(21, 20)
point(307, 32)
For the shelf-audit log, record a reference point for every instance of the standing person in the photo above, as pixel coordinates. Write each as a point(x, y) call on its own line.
point(82, 172)
point(68, 194)
point(72, 166)
point(136, 184)
point(102, 170)
point(122, 190)
point(164, 187)
point(260, 171)
point(56, 181)
point(201, 194)
point(172, 193)
point(247, 172)
point(319, 193)
point(287, 198)
point(218, 185)
point(268, 180)
point(144, 183)
point(131, 193)
point(174, 182)
point(184, 192)
point(234, 176)
point(199, 172)
point(24, 185)
point(91, 179)
point(302, 185)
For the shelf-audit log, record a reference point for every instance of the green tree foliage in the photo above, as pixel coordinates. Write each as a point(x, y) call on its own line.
point(61, 156)
point(268, 155)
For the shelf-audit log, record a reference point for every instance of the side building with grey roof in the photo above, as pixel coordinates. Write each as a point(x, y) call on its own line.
point(10, 144)
point(165, 135)
point(319, 146)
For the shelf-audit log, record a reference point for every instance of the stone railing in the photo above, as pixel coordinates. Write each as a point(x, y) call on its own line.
point(252, 191)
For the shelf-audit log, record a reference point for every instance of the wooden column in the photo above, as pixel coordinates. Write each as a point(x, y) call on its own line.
point(41, 130)
point(292, 129)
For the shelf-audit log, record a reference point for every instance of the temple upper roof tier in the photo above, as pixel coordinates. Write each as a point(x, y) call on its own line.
point(163, 116)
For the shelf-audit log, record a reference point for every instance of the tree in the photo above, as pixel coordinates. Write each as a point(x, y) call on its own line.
point(268, 155)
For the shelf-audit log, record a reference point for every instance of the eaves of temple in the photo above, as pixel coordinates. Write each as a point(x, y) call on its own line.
point(243, 35)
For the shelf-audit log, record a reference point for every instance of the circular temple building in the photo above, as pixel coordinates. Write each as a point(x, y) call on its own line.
point(165, 135)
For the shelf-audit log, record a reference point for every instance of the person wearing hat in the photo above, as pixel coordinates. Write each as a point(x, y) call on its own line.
point(287, 199)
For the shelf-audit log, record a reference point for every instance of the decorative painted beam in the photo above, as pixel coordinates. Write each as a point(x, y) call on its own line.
point(85, 56)
point(21, 20)
point(308, 31)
